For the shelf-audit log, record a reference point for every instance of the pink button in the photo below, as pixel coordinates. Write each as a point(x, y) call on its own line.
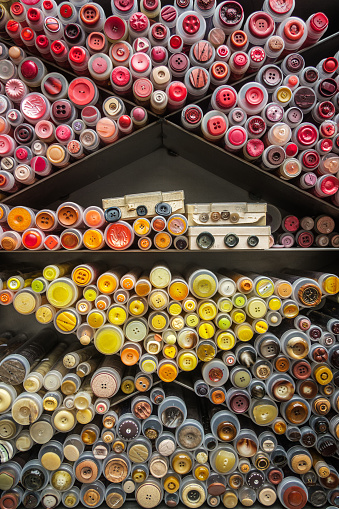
point(99, 65)
point(237, 136)
point(15, 90)
point(63, 133)
point(255, 148)
point(226, 98)
point(114, 28)
point(81, 91)
point(254, 96)
point(138, 22)
point(140, 62)
point(281, 6)
point(38, 164)
point(240, 60)
point(311, 159)
point(6, 144)
point(158, 54)
point(261, 25)
point(138, 114)
point(121, 76)
point(141, 44)
point(44, 129)
point(33, 107)
point(143, 87)
point(21, 154)
point(123, 5)
point(216, 125)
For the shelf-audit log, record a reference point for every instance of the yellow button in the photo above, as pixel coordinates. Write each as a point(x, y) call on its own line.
point(290, 310)
point(49, 273)
point(159, 322)
point(261, 326)
point(206, 352)
point(158, 300)
point(256, 308)
point(323, 375)
point(181, 463)
point(239, 316)
point(225, 305)
point(244, 332)
point(82, 276)
point(141, 226)
point(167, 372)
point(66, 321)
point(44, 314)
point(190, 305)
point(13, 283)
point(274, 304)
point(136, 307)
point(207, 311)
point(55, 154)
point(224, 461)
point(331, 285)
point(264, 288)
point(171, 484)
point(174, 309)
point(201, 472)
point(264, 414)
point(187, 361)
point(284, 95)
point(148, 366)
point(117, 315)
point(204, 286)
point(170, 351)
point(90, 294)
point(225, 340)
point(60, 293)
point(107, 283)
point(206, 330)
point(109, 339)
point(192, 319)
point(93, 239)
point(95, 319)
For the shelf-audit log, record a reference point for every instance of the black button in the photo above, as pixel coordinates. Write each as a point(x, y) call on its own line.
point(163, 209)
point(141, 210)
point(112, 214)
point(231, 240)
point(23, 134)
point(180, 243)
point(205, 240)
point(252, 241)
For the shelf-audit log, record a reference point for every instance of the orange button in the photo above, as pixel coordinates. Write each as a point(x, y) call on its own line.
point(129, 356)
point(93, 218)
point(19, 219)
point(162, 240)
point(44, 220)
point(93, 239)
point(167, 372)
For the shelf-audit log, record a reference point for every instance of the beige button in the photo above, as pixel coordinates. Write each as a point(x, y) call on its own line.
point(64, 421)
point(148, 495)
point(230, 500)
point(41, 432)
point(23, 442)
point(301, 463)
point(158, 466)
point(138, 453)
point(7, 428)
point(25, 411)
point(116, 470)
point(114, 500)
point(267, 496)
point(193, 495)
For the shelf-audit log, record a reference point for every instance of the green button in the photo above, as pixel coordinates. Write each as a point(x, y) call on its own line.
point(239, 301)
point(224, 323)
point(37, 286)
point(242, 378)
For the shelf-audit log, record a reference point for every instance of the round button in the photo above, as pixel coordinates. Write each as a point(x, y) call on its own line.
point(191, 24)
point(81, 91)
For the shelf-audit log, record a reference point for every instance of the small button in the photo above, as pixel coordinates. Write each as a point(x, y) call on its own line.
point(112, 214)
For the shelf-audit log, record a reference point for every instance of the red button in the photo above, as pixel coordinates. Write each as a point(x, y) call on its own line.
point(31, 239)
point(230, 13)
point(293, 30)
point(327, 129)
point(255, 148)
point(140, 62)
point(158, 54)
point(29, 69)
point(223, 51)
point(27, 34)
point(191, 24)
point(143, 87)
point(66, 11)
point(21, 154)
point(240, 59)
point(216, 125)
point(42, 41)
point(96, 41)
point(257, 54)
point(52, 85)
point(125, 121)
point(77, 55)
point(58, 47)
point(33, 15)
point(329, 185)
point(226, 98)
point(237, 136)
point(99, 65)
point(52, 24)
point(121, 76)
point(291, 224)
point(38, 164)
point(281, 6)
point(150, 5)
point(120, 52)
point(13, 26)
point(219, 70)
point(261, 25)
point(168, 13)
point(123, 5)
point(254, 96)
point(47, 5)
point(330, 65)
point(81, 91)
point(34, 106)
point(326, 109)
point(177, 91)
point(175, 41)
point(138, 22)
point(17, 9)
point(193, 115)
point(118, 235)
point(291, 150)
point(114, 28)
point(326, 145)
point(311, 159)
point(63, 133)
point(295, 497)
point(256, 126)
point(319, 22)
point(307, 135)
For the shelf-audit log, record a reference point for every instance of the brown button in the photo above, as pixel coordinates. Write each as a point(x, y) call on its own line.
point(275, 476)
point(235, 481)
point(189, 437)
point(321, 406)
point(142, 409)
point(226, 431)
point(282, 364)
point(296, 412)
point(301, 463)
point(198, 78)
point(234, 217)
point(92, 497)
point(302, 370)
point(203, 218)
point(116, 470)
point(215, 216)
point(308, 389)
point(320, 354)
point(225, 215)
point(142, 383)
point(294, 497)
point(86, 471)
point(118, 446)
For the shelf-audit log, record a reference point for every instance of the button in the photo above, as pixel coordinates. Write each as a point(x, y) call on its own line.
point(231, 240)
point(230, 13)
point(216, 126)
point(261, 25)
point(81, 91)
point(252, 241)
point(89, 14)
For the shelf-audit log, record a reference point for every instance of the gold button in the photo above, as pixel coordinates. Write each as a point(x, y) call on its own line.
point(181, 463)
